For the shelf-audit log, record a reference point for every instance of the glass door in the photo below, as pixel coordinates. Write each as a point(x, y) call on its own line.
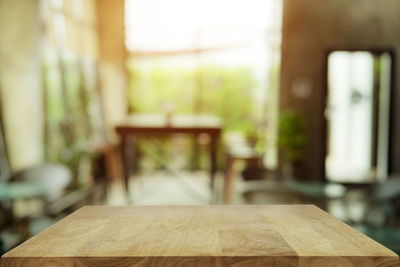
point(357, 116)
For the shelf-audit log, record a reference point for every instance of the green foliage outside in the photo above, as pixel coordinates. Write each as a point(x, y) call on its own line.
point(225, 92)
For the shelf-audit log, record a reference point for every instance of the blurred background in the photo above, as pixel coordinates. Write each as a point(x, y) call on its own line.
point(177, 102)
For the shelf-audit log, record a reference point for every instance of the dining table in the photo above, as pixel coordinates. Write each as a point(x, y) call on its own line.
point(155, 125)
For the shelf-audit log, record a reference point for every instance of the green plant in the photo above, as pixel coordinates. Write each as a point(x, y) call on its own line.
point(292, 138)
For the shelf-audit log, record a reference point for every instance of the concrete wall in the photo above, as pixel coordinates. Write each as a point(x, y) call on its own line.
point(310, 29)
point(20, 81)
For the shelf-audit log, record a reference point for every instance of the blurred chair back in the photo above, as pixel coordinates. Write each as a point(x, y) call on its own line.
point(54, 177)
point(388, 190)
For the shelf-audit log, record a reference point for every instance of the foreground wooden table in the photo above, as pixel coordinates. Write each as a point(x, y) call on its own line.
point(200, 236)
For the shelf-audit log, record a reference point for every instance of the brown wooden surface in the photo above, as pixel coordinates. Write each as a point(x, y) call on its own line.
point(160, 124)
point(238, 149)
point(272, 235)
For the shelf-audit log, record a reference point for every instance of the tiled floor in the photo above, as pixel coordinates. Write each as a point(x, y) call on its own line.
point(187, 188)
point(167, 188)
point(192, 188)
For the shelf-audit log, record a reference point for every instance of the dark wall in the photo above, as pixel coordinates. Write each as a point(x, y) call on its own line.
point(310, 29)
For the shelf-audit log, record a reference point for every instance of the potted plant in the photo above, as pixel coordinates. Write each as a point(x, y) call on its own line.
point(292, 140)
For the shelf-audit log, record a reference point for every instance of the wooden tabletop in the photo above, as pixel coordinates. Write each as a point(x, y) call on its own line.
point(272, 235)
point(179, 123)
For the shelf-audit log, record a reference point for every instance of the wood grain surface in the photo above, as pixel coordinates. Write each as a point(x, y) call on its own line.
point(270, 235)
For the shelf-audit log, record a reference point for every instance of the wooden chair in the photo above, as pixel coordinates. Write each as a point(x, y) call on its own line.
point(238, 149)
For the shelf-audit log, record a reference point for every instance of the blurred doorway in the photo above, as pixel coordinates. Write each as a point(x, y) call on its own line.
point(357, 116)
